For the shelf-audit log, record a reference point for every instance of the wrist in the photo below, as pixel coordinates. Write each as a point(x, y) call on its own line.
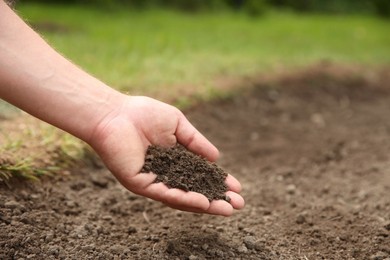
point(99, 112)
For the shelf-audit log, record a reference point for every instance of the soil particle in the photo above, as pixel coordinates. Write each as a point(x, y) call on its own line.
point(13, 205)
point(178, 168)
point(193, 257)
point(379, 256)
point(250, 242)
point(98, 181)
point(117, 249)
point(131, 230)
point(291, 189)
point(387, 227)
point(300, 219)
point(242, 249)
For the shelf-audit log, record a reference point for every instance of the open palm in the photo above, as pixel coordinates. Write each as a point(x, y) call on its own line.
point(122, 138)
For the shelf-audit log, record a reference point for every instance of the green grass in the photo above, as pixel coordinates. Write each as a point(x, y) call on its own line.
point(159, 52)
point(30, 149)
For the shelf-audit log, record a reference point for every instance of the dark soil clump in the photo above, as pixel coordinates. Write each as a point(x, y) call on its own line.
point(178, 168)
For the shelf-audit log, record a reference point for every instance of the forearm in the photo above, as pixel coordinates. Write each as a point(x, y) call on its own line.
point(37, 79)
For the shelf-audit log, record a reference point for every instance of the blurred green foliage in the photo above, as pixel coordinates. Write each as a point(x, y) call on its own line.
point(382, 7)
point(255, 7)
point(252, 7)
point(161, 52)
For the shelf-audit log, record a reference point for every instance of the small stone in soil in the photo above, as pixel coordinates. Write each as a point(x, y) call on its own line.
point(250, 242)
point(178, 168)
point(300, 219)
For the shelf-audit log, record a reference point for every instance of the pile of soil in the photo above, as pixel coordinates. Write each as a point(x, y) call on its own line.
point(178, 168)
point(311, 149)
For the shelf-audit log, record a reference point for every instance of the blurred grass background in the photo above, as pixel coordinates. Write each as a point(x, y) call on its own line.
point(163, 52)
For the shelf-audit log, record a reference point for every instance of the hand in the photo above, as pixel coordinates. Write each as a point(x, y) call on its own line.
point(122, 138)
point(120, 131)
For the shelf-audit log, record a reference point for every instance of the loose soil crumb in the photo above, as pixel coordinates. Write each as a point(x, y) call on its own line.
point(177, 167)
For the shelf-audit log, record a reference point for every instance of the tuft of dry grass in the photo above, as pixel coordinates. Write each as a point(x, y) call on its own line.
point(30, 148)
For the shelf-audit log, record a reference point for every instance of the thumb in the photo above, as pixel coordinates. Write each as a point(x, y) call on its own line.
point(193, 140)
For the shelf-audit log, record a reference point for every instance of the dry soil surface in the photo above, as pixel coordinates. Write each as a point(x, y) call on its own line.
point(311, 149)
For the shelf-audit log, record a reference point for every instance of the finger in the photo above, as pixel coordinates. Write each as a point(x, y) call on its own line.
point(236, 200)
point(189, 199)
point(138, 183)
point(233, 184)
point(217, 207)
point(220, 207)
point(155, 191)
point(194, 141)
point(143, 185)
point(187, 209)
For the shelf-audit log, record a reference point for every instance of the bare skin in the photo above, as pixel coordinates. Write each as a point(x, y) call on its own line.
point(37, 79)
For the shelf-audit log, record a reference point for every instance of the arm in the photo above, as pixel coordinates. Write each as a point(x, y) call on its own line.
point(37, 79)
point(40, 81)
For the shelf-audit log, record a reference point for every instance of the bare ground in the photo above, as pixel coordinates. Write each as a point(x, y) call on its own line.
point(311, 148)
